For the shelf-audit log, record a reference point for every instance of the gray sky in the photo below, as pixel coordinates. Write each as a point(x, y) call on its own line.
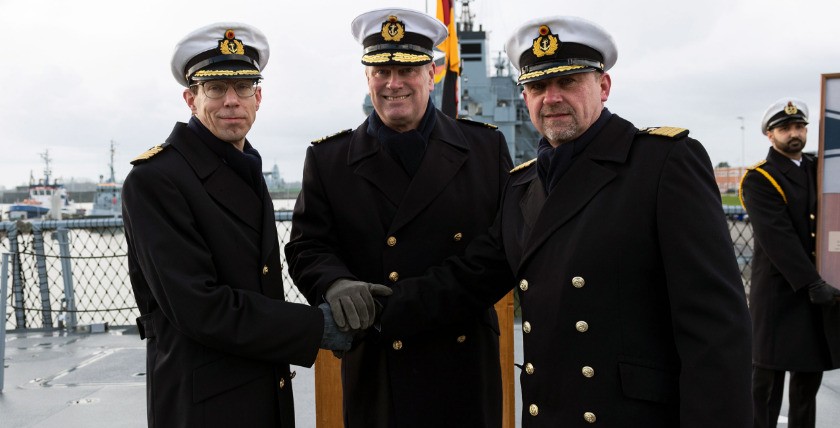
point(80, 74)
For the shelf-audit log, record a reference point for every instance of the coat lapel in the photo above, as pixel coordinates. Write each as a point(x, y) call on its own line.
point(375, 166)
point(220, 181)
point(584, 179)
point(446, 153)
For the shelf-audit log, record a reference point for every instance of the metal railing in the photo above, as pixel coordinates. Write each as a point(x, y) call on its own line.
point(66, 273)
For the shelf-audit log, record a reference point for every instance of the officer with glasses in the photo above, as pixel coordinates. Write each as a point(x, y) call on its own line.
point(204, 257)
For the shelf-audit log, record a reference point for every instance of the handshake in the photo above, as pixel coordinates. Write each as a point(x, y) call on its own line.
point(349, 308)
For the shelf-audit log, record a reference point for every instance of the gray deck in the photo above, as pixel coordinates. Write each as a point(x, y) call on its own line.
point(96, 380)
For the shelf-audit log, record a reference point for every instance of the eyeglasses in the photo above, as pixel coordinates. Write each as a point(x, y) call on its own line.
point(218, 88)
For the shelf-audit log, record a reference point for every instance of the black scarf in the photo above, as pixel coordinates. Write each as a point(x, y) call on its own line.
point(247, 164)
point(408, 147)
point(553, 162)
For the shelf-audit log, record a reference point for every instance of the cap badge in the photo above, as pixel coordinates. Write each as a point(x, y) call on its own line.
point(790, 108)
point(393, 30)
point(230, 45)
point(546, 43)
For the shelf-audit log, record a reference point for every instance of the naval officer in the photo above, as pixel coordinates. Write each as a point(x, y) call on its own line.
point(203, 253)
point(796, 319)
point(406, 189)
point(633, 309)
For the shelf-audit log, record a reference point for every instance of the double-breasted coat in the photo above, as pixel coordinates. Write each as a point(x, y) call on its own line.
point(633, 310)
point(790, 333)
point(204, 264)
point(360, 216)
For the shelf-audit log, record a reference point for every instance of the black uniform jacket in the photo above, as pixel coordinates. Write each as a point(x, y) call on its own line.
point(633, 310)
point(204, 263)
point(360, 216)
point(790, 332)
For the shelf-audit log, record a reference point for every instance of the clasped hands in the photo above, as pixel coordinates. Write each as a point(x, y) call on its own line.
point(350, 307)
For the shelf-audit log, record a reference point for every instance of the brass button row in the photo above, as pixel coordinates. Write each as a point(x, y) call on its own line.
point(392, 240)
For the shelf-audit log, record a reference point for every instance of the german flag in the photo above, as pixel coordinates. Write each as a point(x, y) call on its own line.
point(451, 69)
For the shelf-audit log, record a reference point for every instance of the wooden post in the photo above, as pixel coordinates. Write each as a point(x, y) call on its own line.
point(328, 412)
point(328, 398)
point(504, 308)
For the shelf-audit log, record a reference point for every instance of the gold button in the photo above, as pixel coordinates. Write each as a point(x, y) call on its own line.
point(578, 282)
point(393, 276)
point(461, 339)
point(813, 235)
point(397, 345)
point(526, 327)
point(529, 368)
point(533, 410)
point(458, 236)
point(587, 371)
point(589, 417)
point(581, 326)
point(265, 270)
point(523, 285)
point(392, 241)
point(813, 217)
point(282, 383)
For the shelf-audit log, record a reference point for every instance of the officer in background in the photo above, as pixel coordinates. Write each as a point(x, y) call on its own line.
point(203, 253)
point(633, 309)
point(406, 189)
point(796, 320)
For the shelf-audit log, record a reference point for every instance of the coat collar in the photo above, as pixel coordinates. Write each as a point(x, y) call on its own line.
point(593, 170)
point(446, 153)
point(219, 180)
point(786, 166)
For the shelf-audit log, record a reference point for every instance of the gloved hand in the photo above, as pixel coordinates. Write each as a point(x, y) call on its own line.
point(352, 303)
point(333, 339)
point(821, 293)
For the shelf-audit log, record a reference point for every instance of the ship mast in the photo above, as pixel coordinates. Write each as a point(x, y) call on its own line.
point(111, 164)
point(47, 172)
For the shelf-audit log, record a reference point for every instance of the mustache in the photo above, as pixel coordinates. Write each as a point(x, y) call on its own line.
point(801, 141)
point(556, 110)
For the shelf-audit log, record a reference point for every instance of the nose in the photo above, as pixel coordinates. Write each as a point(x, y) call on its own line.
point(394, 81)
point(231, 98)
point(553, 95)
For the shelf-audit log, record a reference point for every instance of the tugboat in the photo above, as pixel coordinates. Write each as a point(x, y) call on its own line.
point(47, 199)
point(107, 200)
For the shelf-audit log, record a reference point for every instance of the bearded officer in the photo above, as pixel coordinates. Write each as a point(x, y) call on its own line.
point(796, 319)
point(633, 309)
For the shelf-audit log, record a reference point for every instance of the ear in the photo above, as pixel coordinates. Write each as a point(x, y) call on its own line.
point(258, 96)
point(606, 84)
point(432, 76)
point(189, 98)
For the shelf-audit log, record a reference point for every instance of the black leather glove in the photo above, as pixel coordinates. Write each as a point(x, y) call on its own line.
point(352, 303)
point(333, 339)
point(821, 293)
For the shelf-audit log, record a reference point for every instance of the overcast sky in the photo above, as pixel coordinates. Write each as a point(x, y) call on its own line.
point(79, 74)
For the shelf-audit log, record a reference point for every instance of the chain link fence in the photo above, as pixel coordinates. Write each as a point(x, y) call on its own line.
point(67, 273)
